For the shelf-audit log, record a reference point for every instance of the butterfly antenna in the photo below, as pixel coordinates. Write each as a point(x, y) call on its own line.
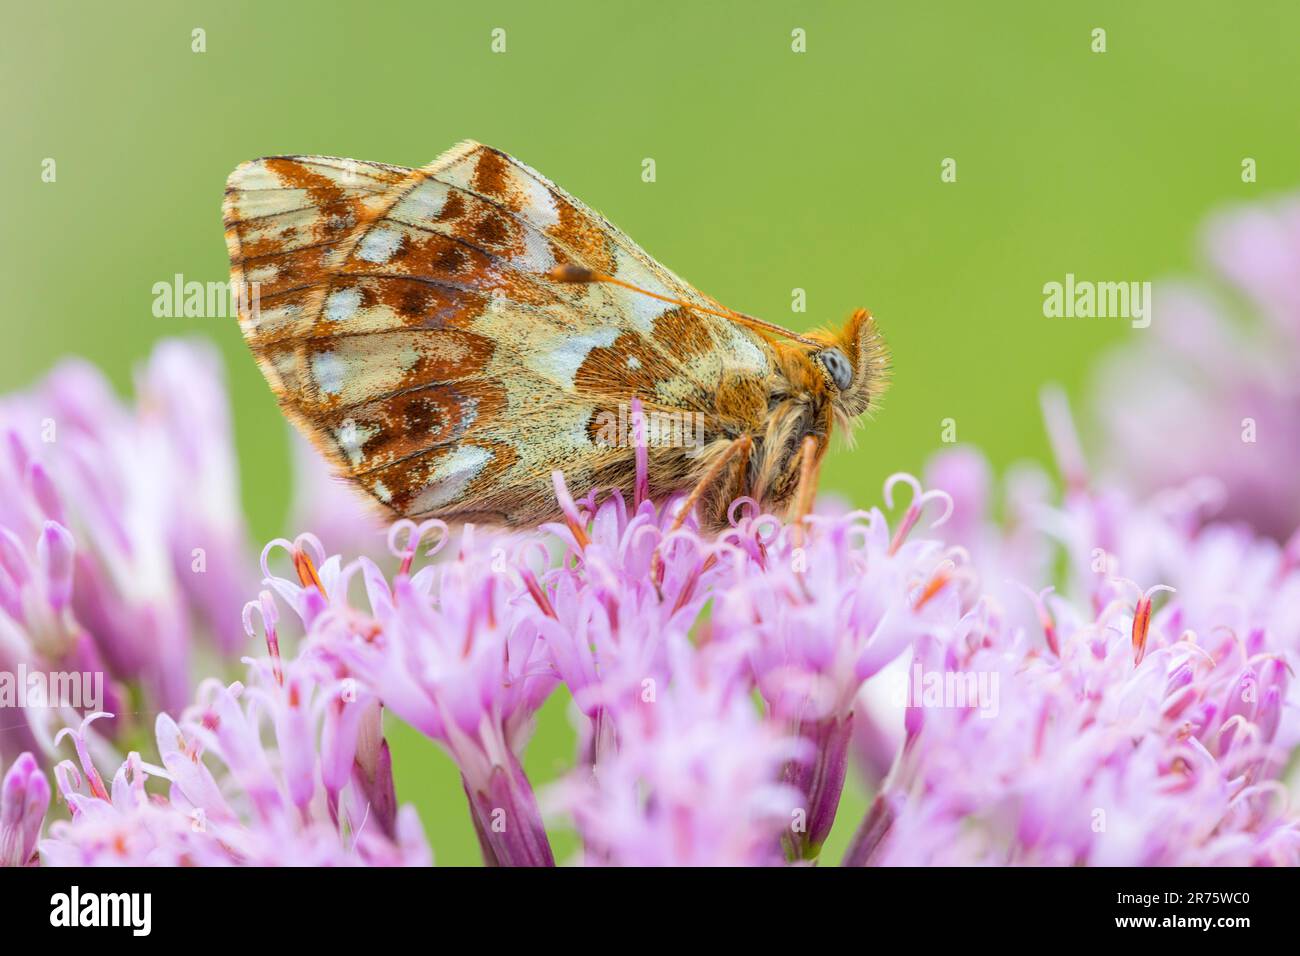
point(571, 273)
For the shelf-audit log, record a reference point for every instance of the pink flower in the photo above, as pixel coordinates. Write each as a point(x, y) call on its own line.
point(821, 611)
point(1115, 725)
point(121, 527)
point(453, 650)
point(24, 798)
point(1203, 395)
point(1099, 678)
point(182, 404)
point(606, 620)
point(39, 634)
point(319, 795)
point(694, 780)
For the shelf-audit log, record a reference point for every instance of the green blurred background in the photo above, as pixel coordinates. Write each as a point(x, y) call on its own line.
point(775, 170)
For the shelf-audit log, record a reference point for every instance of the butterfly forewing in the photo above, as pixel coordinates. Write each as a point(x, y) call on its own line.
point(407, 322)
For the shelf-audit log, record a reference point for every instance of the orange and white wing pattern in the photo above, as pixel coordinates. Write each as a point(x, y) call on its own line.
point(406, 320)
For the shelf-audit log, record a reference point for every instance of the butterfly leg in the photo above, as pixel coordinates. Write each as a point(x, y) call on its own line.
point(809, 470)
point(742, 446)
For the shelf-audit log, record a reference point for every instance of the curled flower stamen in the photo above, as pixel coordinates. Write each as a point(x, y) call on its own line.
point(755, 535)
point(306, 552)
point(857, 533)
point(395, 531)
point(766, 529)
point(414, 534)
point(83, 752)
point(734, 518)
point(914, 510)
point(264, 606)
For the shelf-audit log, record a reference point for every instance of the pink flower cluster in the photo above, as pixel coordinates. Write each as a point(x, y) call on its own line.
point(1105, 678)
point(121, 535)
point(1105, 724)
point(1216, 378)
point(1132, 726)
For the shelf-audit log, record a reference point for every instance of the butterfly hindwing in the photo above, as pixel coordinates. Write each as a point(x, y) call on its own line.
point(407, 322)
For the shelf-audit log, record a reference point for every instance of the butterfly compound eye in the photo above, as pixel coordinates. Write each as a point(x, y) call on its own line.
point(837, 366)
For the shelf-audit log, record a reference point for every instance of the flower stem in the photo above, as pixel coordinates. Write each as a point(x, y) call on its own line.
point(507, 820)
point(821, 780)
point(871, 834)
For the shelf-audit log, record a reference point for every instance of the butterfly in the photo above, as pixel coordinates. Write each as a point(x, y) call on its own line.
point(451, 336)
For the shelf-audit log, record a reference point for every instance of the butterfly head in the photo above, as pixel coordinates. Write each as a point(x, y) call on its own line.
point(852, 366)
point(825, 379)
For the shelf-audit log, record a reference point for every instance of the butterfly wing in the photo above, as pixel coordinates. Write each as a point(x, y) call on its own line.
point(406, 321)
